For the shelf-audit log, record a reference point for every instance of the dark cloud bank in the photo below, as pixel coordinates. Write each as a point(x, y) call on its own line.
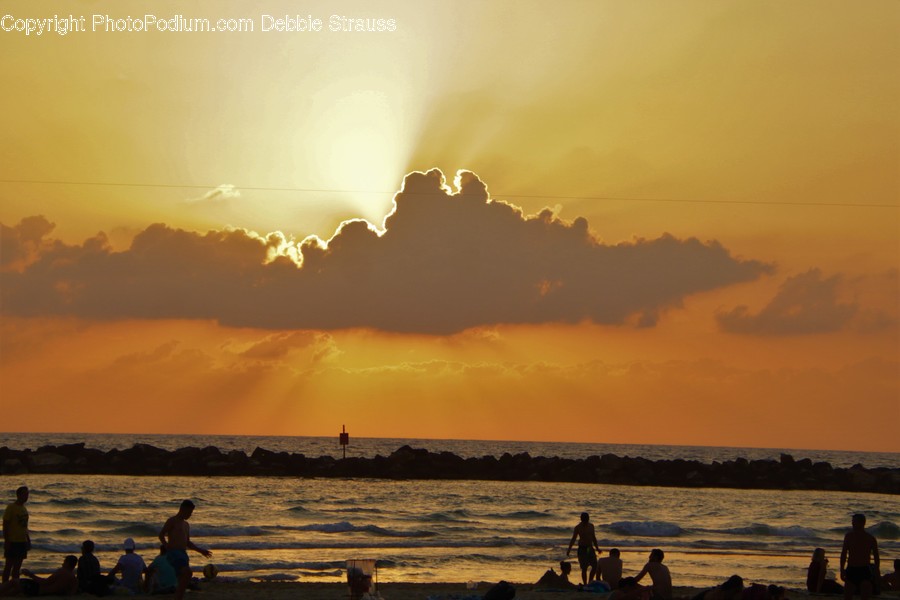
point(807, 303)
point(445, 261)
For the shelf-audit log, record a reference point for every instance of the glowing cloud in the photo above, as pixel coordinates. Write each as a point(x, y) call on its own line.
point(443, 261)
point(22, 243)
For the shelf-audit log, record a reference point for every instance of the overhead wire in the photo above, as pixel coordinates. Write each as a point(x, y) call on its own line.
point(213, 188)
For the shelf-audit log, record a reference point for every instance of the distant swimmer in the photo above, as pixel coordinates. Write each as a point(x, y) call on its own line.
point(587, 548)
point(609, 569)
point(659, 575)
point(176, 536)
point(856, 569)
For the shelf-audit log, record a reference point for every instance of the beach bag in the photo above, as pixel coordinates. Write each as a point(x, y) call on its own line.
point(501, 591)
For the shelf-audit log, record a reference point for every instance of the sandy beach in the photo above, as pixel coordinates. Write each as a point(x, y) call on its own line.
point(412, 591)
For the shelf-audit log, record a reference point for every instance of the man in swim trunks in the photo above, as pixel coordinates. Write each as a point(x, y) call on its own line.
point(176, 536)
point(587, 548)
point(856, 570)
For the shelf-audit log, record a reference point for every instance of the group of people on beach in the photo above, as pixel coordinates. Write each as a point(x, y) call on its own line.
point(859, 569)
point(858, 573)
point(605, 574)
point(168, 573)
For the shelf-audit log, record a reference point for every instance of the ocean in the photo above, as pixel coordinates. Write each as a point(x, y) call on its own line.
point(282, 528)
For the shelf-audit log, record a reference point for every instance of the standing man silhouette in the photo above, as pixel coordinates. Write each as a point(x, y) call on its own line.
point(176, 536)
point(587, 548)
point(16, 539)
point(856, 570)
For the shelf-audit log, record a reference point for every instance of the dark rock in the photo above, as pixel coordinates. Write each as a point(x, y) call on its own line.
point(416, 463)
point(48, 462)
point(12, 466)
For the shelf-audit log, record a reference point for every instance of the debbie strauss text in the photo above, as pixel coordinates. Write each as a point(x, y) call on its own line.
point(335, 23)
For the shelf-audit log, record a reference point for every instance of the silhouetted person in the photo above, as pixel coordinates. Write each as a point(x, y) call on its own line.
point(88, 566)
point(729, 590)
point(161, 577)
point(90, 579)
point(629, 590)
point(16, 539)
point(176, 536)
point(61, 583)
point(758, 591)
point(659, 575)
point(587, 547)
point(856, 570)
point(555, 581)
point(132, 568)
point(609, 569)
point(891, 581)
point(815, 576)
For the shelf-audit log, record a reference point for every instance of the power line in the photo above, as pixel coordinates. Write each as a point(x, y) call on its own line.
point(493, 195)
point(187, 186)
point(696, 201)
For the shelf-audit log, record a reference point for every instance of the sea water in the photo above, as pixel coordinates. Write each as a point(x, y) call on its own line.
point(430, 531)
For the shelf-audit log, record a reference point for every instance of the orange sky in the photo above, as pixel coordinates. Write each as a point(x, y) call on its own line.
point(718, 263)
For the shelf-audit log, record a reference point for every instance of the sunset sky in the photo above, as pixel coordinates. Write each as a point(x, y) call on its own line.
point(601, 221)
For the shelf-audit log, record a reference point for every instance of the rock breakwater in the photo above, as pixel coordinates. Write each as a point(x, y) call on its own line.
point(411, 463)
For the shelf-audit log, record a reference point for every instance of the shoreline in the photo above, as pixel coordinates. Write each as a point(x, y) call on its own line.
point(420, 591)
point(407, 463)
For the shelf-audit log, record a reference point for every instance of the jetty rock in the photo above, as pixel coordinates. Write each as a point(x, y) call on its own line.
point(416, 463)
